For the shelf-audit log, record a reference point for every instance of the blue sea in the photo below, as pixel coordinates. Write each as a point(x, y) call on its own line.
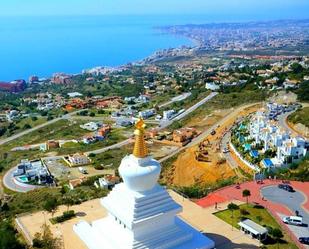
point(45, 45)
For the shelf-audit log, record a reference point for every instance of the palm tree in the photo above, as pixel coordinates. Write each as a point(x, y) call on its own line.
point(232, 207)
point(246, 194)
point(51, 205)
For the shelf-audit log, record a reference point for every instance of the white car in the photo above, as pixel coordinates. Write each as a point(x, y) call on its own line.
point(293, 220)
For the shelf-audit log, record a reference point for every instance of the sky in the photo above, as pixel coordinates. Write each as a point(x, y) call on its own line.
point(284, 8)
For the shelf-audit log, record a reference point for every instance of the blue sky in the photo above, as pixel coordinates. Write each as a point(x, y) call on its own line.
point(278, 8)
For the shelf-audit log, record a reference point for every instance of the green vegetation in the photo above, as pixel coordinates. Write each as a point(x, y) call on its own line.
point(45, 240)
point(223, 101)
point(111, 158)
point(261, 216)
point(67, 215)
point(300, 116)
point(296, 172)
point(199, 190)
point(8, 236)
point(9, 129)
point(303, 91)
point(246, 193)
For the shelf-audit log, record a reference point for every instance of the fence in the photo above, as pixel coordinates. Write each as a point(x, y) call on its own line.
point(250, 165)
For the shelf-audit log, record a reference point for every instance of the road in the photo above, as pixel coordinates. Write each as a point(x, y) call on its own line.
point(225, 147)
point(18, 135)
point(282, 122)
point(114, 146)
point(294, 202)
point(176, 99)
point(166, 123)
point(8, 182)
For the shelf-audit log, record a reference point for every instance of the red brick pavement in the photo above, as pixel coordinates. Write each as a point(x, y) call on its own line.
point(232, 193)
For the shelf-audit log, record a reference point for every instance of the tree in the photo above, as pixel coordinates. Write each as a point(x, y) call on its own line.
point(27, 126)
point(45, 239)
point(232, 207)
point(34, 118)
point(68, 201)
point(246, 194)
point(277, 234)
point(7, 237)
point(51, 205)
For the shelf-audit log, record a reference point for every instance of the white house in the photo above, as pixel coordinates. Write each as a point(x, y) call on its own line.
point(212, 86)
point(78, 159)
point(291, 151)
point(147, 113)
point(268, 132)
point(167, 115)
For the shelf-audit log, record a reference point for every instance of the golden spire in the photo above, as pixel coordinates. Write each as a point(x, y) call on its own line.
point(140, 149)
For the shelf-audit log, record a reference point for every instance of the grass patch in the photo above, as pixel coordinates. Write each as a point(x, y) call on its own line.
point(300, 116)
point(258, 215)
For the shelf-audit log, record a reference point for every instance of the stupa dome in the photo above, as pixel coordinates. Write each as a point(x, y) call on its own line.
point(139, 174)
point(139, 171)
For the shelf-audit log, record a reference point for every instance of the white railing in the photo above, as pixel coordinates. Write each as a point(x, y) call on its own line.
point(250, 165)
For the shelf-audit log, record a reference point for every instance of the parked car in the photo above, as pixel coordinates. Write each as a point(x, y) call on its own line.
point(213, 132)
point(82, 170)
point(304, 240)
point(226, 150)
point(293, 220)
point(286, 187)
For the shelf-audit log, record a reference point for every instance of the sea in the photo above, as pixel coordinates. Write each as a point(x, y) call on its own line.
point(44, 45)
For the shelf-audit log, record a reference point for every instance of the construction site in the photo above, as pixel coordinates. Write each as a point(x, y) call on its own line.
point(205, 162)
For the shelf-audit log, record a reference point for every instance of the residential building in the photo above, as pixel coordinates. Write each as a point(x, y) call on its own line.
point(167, 115)
point(147, 113)
point(91, 126)
point(78, 160)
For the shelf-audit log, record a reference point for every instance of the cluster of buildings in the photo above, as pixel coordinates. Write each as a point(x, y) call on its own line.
point(46, 101)
point(245, 36)
point(97, 102)
point(267, 133)
point(179, 137)
point(98, 134)
point(15, 86)
point(61, 78)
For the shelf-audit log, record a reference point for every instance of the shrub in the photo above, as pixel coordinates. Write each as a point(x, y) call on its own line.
point(67, 215)
point(98, 167)
point(244, 211)
point(258, 206)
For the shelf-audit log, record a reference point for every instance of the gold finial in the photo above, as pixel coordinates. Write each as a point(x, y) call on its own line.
point(140, 148)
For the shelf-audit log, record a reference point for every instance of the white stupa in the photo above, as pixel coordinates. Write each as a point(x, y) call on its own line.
point(141, 214)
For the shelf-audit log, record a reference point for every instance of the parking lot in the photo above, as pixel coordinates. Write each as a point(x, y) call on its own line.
point(293, 201)
point(62, 172)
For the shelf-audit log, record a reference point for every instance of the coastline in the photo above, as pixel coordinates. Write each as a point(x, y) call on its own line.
point(113, 44)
